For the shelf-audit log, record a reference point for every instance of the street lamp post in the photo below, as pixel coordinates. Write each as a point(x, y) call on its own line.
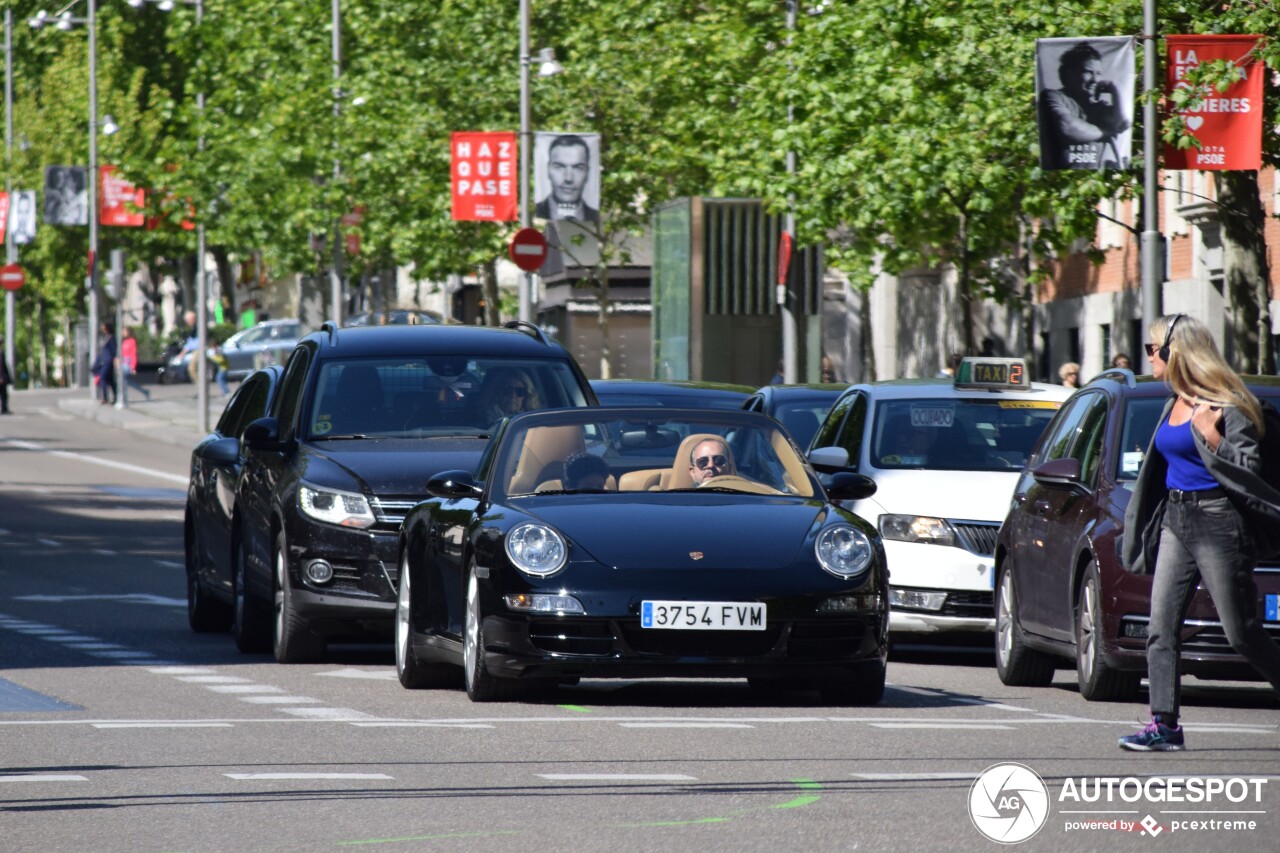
point(10, 251)
point(547, 67)
point(65, 21)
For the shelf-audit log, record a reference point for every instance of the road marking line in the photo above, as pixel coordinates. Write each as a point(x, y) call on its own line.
point(243, 688)
point(123, 466)
point(616, 777)
point(182, 670)
point(915, 777)
point(412, 724)
point(129, 598)
point(104, 552)
point(169, 564)
point(946, 725)
point(336, 714)
point(162, 725)
point(686, 726)
point(258, 776)
point(277, 700)
point(50, 542)
point(121, 653)
point(42, 777)
point(213, 679)
point(353, 672)
point(95, 647)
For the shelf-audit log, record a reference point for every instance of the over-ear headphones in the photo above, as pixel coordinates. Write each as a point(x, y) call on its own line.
point(1168, 336)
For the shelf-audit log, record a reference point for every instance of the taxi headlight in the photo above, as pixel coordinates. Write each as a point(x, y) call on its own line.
point(843, 550)
point(917, 528)
point(536, 549)
point(345, 509)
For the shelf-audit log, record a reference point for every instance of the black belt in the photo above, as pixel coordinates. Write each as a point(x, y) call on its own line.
point(1181, 496)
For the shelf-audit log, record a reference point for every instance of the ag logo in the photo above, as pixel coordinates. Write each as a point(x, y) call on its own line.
point(1008, 803)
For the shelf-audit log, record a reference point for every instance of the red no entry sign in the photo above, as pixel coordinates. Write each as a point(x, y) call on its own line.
point(528, 249)
point(12, 277)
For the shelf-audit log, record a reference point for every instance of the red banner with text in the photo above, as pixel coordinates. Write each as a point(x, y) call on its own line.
point(1228, 124)
point(122, 203)
point(484, 172)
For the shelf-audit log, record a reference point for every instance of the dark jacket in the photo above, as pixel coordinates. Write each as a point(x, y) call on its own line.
point(1236, 465)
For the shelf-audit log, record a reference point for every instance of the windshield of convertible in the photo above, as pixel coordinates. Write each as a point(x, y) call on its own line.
point(956, 434)
point(648, 450)
point(433, 395)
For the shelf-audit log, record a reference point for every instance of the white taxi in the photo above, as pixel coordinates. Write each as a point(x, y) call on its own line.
point(945, 455)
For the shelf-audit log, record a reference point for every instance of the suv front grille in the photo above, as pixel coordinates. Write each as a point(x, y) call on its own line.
point(977, 537)
point(970, 605)
point(389, 512)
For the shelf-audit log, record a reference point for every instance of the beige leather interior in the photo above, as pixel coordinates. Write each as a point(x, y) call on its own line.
point(641, 481)
point(542, 446)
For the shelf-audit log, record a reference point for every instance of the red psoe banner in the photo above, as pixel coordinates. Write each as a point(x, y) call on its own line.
point(485, 176)
point(1228, 123)
point(121, 203)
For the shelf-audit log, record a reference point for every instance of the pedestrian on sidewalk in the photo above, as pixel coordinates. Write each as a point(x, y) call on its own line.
point(1186, 520)
point(128, 365)
point(220, 365)
point(6, 378)
point(104, 366)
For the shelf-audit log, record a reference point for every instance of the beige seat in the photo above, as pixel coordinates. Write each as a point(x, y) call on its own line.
point(610, 485)
point(678, 477)
point(645, 480)
point(544, 446)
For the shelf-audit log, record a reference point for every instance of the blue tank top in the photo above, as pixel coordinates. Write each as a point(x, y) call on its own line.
point(1186, 468)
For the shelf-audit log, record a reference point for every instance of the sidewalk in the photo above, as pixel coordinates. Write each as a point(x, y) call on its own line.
point(170, 416)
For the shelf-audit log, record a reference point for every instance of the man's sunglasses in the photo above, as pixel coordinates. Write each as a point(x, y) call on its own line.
point(705, 462)
point(518, 390)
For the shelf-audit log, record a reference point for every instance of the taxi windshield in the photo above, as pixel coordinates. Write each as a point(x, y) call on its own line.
point(958, 434)
point(647, 450)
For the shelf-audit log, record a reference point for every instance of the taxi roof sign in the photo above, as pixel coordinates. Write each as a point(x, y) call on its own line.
point(992, 373)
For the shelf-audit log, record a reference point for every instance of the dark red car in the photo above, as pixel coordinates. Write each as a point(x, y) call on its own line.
point(1061, 592)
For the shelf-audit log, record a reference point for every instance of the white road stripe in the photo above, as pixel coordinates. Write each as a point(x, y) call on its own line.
point(409, 725)
point(95, 647)
point(42, 777)
point(182, 670)
point(120, 654)
point(277, 700)
point(686, 726)
point(940, 725)
point(336, 714)
point(243, 688)
point(257, 776)
point(162, 725)
point(617, 777)
point(109, 463)
point(213, 679)
point(915, 777)
point(169, 564)
point(50, 542)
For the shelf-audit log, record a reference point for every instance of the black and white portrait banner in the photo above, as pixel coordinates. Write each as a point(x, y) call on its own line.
point(1085, 98)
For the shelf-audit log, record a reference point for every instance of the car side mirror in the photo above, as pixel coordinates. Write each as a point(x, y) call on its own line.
point(221, 451)
point(848, 486)
point(263, 434)
point(829, 460)
point(1058, 472)
point(454, 484)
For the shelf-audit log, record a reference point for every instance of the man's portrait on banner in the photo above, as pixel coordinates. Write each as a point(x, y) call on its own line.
point(567, 176)
point(1084, 90)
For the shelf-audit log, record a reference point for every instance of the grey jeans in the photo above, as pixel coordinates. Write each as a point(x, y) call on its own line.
point(1204, 541)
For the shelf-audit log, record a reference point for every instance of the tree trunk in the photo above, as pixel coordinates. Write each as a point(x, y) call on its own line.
point(226, 281)
point(489, 277)
point(1248, 274)
point(965, 287)
point(868, 342)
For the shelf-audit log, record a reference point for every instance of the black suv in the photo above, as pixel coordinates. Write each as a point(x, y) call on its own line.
point(362, 419)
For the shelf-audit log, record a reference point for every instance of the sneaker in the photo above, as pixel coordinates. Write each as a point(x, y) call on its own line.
point(1155, 737)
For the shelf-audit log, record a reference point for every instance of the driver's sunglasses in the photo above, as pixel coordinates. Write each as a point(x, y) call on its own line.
point(705, 462)
point(517, 390)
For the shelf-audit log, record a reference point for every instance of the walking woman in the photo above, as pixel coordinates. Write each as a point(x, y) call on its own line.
point(1199, 512)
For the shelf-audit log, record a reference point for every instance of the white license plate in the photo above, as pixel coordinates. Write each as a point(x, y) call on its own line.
point(703, 615)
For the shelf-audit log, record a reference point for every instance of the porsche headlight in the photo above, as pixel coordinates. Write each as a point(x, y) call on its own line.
point(345, 509)
point(843, 550)
point(536, 549)
point(917, 528)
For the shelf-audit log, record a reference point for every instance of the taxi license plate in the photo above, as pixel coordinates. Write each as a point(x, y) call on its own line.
point(703, 615)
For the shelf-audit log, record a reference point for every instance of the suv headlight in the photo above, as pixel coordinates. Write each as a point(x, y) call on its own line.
point(917, 528)
point(843, 550)
point(345, 509)
point(536, 549)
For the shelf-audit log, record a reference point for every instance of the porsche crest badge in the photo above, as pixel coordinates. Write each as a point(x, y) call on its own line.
point(697, 555)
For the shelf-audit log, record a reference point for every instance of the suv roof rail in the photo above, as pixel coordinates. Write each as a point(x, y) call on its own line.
point(1119, 374)
point(533, 330)
point(332, 329)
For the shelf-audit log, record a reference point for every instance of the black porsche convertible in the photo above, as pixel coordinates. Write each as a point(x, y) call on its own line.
point(641, 543)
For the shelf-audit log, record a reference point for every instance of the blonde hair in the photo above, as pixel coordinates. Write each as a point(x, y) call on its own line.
point(1069, 367)
point(491, 389)
point(1196, 370)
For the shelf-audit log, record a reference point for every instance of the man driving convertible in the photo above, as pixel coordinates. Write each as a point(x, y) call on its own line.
point(710, 458)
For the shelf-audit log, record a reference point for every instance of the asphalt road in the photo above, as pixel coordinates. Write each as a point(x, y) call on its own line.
point(121, 730)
